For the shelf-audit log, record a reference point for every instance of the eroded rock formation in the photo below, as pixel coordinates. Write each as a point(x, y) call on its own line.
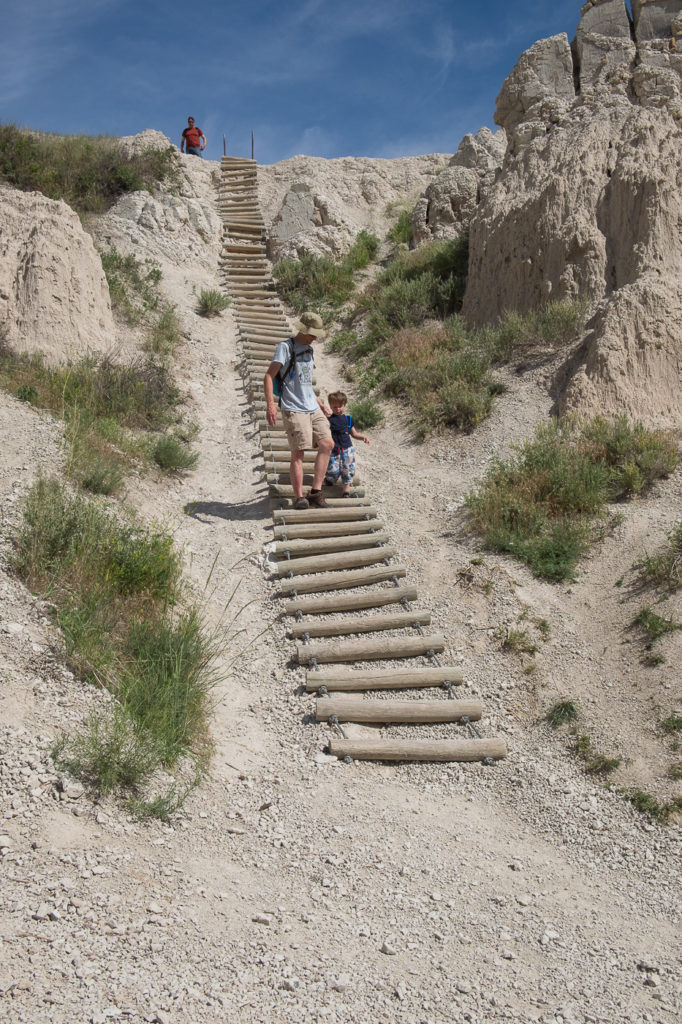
point(448, 204)
point(315, 205)
point(589, 204)
point(54, 296)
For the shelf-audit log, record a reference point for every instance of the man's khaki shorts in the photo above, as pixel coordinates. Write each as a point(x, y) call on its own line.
point(305, 429)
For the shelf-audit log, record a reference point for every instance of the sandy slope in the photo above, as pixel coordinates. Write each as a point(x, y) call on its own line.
point(293, 888)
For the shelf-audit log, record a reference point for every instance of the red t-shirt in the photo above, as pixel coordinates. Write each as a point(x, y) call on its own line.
point(192, 137)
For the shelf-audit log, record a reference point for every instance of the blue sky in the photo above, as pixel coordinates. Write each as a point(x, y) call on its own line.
point(326, 78)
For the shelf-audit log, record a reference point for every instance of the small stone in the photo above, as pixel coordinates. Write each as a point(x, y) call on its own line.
point(261, 919)
point(464, 987)
point(42, 913)
point(388, 949)
point(5, 841)
point(290, 984)
point(341, 983)
point(436, 897)
point(234, 831)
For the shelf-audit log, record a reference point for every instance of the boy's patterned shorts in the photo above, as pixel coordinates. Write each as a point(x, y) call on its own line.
point(341, 464)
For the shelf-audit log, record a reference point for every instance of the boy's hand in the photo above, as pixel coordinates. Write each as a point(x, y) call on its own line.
point(366, 439)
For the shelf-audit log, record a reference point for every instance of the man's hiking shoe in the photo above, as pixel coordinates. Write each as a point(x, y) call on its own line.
point(317, 500)
point(301, 504)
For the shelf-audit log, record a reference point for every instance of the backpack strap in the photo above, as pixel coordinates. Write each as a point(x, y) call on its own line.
point(284, 371)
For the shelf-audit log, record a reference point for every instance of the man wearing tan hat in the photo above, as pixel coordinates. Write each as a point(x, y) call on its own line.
point(303, 414)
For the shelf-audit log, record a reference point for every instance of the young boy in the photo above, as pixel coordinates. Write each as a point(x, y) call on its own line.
point(342, 458)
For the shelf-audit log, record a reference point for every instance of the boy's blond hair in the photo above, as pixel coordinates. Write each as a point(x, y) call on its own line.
point(337, 398)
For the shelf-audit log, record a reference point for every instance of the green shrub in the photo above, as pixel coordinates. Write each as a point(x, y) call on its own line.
point(114, 586)
point(133, 284)
point(362, 252)
point(211, 302)
point(88, 172)
point(594, 763)
point(541, 504)
point(27, 393)
point(671, 724)
point(366, 413)
point(174, 456)
point(164, 335)
point(401, 232)
point(313, 282)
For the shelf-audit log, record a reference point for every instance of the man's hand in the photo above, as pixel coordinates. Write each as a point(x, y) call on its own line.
point(271, 414)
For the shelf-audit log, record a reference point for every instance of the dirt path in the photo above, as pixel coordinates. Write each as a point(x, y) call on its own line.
point(292, 887)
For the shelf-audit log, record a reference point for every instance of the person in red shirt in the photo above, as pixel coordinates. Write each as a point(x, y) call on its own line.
point(193, 138)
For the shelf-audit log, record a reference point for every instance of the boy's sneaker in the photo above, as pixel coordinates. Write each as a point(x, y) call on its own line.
point(301, 504)
point(329, 482)
point(317, 500)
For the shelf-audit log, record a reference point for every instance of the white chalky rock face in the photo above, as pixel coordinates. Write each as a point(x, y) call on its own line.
point(588, 204)
point(53, 293)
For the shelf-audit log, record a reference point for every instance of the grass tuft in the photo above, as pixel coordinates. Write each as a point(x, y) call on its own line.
point(654, 626)
point(88, 172)
point(211, 302)
point(541, 505)
point(664, 569)
point(563, 712)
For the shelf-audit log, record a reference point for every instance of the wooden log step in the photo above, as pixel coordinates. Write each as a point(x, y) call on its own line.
point(342, 560)
point(359, 624)
point(282, 466)
point(351, 681)
point(341, 580)
point(287, 491)
point(278, 445)
point(350, 709)
point(236, 247)
point(383, 648)
point(313, 546)
point(418, 750)
point(277, 504)
point(281, 457)
point(283, 479)
point(324, 515)
point(349, 602)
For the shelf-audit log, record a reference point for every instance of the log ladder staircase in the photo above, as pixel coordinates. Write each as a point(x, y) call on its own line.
point(342, 549)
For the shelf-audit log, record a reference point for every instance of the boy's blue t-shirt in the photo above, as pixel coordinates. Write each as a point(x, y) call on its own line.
point(340, 427)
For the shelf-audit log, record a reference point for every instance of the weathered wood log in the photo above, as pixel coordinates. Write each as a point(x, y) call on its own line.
point(340, 560)
point(341, 580)
point(359, 624)
point(377, 649)
point(332, 502)
point(349, 602)
point(296, 548)
point(324, 515)
point(287, 491)
point(418, 750)
point(346, 681)
point(352, 709)
point(291, 532)
point(278, 444)
point(283, 477)
point(283, 466)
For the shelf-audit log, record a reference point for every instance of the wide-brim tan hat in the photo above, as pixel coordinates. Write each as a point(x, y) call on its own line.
point(311, 324)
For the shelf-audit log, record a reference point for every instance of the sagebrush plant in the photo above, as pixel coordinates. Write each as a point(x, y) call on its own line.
point(541, 505)
point(212, 302)
point(121, 605)
point(164, 334)
point(593, 762)
point(88, 172)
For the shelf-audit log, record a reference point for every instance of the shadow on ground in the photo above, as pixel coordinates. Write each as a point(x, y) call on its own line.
point(204, 511)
